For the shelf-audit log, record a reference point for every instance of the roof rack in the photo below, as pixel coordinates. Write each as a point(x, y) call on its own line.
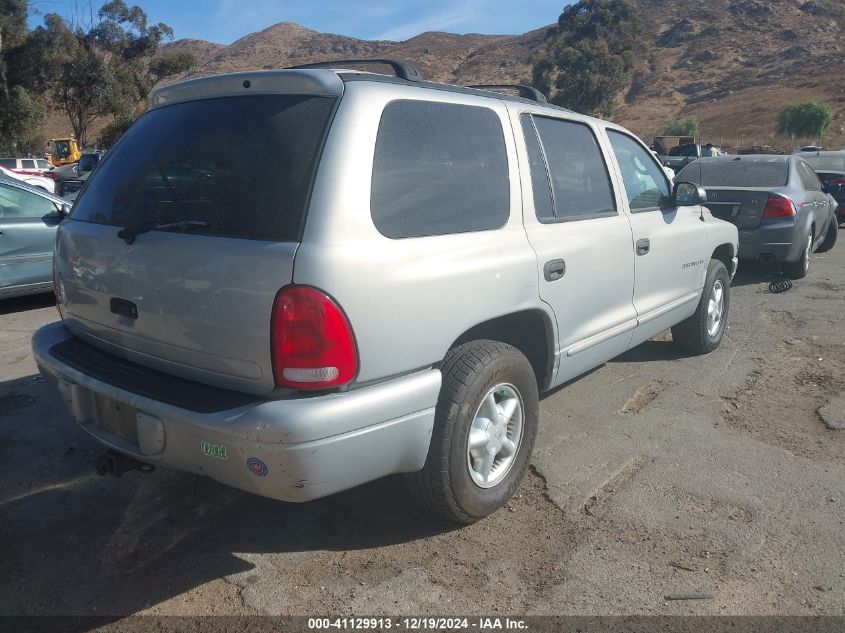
point(403, 70)
point(527, 92)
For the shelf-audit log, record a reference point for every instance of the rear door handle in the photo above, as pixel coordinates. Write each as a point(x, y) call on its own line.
point(643, 246)
point(554, 269)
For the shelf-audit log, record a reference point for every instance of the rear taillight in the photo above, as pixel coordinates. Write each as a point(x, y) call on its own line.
point(779, 207)
point(312, 342)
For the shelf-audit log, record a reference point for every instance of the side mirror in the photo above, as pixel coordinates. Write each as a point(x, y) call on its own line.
point(61, 212)
point(688, 194)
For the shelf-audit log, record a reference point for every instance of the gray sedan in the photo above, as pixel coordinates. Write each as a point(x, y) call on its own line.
point(28, 220)
point(779, 205)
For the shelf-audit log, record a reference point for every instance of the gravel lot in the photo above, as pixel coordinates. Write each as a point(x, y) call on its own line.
point(655, 474)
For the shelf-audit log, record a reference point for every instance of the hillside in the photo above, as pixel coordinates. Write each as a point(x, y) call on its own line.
point(731, 63)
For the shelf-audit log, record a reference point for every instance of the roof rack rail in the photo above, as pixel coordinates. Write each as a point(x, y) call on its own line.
point(403, 70)
point(527, 92)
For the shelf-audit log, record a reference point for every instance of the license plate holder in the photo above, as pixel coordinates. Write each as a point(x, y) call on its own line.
point(116, 418)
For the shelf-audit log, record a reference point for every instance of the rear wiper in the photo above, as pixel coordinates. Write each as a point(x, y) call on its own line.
point(129, 233)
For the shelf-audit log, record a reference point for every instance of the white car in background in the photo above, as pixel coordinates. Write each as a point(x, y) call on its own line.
point(31, 166)
point(47, 184)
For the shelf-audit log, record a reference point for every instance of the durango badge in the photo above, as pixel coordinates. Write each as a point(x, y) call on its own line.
point(256, 467)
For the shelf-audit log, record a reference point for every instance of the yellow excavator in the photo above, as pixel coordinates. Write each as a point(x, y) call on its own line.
point(63, 151)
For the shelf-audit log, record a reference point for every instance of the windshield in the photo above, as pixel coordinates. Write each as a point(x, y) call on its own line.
point(62, 149)
point(243, 165)
point(831, 162)
point(736, 173)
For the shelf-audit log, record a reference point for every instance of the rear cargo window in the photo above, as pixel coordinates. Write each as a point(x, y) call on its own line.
point(240, 166)
point(9, 163)
point(736, 173)
point(439, 168)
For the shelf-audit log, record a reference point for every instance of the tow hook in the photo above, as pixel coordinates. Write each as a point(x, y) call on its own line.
point(115, 464)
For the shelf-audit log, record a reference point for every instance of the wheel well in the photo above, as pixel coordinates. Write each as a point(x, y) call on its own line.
point(530, 331)
point(725, 254)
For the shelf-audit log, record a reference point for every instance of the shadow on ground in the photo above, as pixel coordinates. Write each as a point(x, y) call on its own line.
point(116, 546)
point(750, 273)
point(29, 302)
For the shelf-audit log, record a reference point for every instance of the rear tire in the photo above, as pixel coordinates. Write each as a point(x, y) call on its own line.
point(484, 430)
point(830, 236)
point(799, 269)
point(703, 331)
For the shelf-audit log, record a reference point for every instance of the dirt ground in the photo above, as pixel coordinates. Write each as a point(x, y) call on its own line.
point(655, 474)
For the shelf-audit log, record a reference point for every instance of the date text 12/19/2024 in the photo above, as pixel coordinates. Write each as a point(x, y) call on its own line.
point(418, 624)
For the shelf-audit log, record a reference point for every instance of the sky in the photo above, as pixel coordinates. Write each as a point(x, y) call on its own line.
point(224, 21)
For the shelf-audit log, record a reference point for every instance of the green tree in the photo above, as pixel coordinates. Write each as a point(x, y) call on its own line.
point(86, 90)
point(22, 110)
point(809, 119)
point(112, 131)
point(172, 64)
point(103, 68)
point(688, 126)
point(591, 54)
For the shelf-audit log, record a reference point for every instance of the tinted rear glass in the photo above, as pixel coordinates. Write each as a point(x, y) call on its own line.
point(88, 162)
point(244, 165)
point(736, 173)
point(684, 150)
point(439, 168)
point(9, 163)
point(822, 163)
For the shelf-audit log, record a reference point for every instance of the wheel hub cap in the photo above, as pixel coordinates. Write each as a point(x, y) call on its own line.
point(495, 435)
point(715, 308)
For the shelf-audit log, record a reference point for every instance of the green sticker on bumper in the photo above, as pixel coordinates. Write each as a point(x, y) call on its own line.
point(213, 450)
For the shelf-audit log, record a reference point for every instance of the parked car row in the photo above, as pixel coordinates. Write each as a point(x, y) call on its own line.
point(67, 178)
point(42, 182)
point(391, 289)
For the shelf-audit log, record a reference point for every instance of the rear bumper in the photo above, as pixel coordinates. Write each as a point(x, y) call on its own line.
point(294, 450)
point(782, 240)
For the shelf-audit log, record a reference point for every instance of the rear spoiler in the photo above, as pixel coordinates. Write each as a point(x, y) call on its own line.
point(296, 82)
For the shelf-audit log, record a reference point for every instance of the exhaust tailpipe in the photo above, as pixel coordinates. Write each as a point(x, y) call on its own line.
point(115, 464)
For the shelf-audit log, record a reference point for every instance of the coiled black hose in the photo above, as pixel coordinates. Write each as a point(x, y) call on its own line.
point(780, 285)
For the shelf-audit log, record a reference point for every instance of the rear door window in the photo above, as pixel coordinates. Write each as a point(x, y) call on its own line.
point(580, 182)
point(439, 168)
point(197, 161)
point(27, 164)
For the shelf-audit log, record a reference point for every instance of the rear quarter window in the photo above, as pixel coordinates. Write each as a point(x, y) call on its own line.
point(439, 168)
point(9, 163)
point(197, 161)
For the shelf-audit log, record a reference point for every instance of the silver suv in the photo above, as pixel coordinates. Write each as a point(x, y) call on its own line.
point(387, 291)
